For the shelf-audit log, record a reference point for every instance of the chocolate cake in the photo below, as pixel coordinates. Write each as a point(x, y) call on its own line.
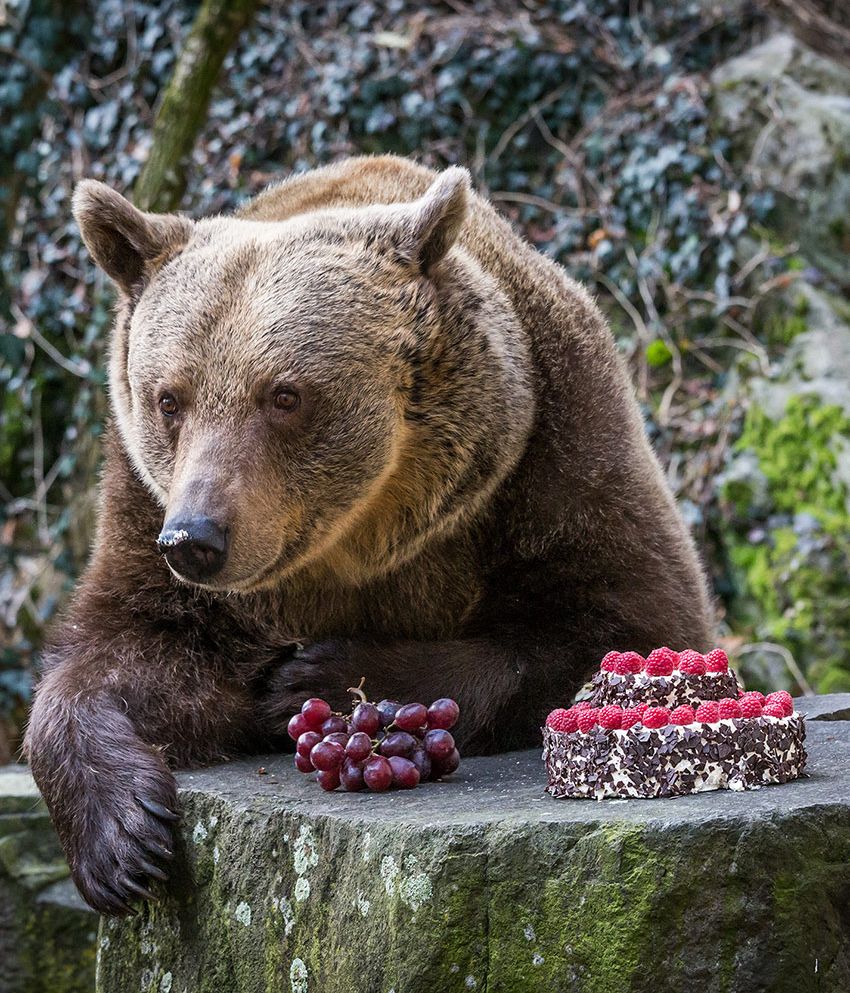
point(669, 725)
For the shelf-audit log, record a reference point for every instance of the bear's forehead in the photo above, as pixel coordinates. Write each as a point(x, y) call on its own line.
point(215, 276)
point(269, 297)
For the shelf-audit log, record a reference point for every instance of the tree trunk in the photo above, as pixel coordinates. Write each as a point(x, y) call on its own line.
point(183, 110)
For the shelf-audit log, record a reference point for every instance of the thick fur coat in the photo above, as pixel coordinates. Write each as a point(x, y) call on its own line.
point(417, 457)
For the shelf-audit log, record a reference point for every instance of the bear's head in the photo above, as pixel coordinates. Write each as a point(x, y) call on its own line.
point(330, 391)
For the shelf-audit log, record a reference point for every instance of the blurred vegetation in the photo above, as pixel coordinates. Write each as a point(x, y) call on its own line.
point(590, 124)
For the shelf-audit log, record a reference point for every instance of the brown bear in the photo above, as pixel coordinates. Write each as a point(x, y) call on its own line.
point(359, 429)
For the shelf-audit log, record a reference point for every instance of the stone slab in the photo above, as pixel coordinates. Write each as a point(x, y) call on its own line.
point(47, 933)
point(829, 707)
point(18, 792)
point(486, 883)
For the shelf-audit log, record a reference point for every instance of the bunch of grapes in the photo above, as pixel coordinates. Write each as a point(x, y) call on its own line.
point(377, 746)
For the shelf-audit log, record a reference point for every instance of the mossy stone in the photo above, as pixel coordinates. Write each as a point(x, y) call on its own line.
point(47, 934)
point(486, 883)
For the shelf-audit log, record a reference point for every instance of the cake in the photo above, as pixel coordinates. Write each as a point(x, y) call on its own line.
point(668, 725)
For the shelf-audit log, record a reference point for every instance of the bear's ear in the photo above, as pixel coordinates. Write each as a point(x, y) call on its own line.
point(426, 229)
point(125, 242)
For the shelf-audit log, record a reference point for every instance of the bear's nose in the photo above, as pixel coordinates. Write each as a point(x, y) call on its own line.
point(194, 547)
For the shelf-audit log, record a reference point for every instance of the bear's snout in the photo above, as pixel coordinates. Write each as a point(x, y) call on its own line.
point(195, 547)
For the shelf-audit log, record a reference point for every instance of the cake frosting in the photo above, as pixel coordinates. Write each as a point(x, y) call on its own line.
point(687, 730)
point(676, 690)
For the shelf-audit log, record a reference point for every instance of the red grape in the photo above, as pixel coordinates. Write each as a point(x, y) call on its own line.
point(359, 747)
point(334, 725)
point(327, 755)
point(297, 726)
point(446, 766)
point(398, 743)
point(378, 774)
point(303, 763)
point(405, 773)
point(387, 709)
point(443, 713)
point(366, 719)
point(305, 742)
point(338, 737)
point(328, 779)
point(439, 744)
point(422, 762)
point(351, 776)
point(411, 717)
point(413, 744)
point(315, 712)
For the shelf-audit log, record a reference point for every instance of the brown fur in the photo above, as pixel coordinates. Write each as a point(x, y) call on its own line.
point(464, 504)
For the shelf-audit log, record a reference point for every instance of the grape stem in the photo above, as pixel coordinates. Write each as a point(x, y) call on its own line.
point(357, 691)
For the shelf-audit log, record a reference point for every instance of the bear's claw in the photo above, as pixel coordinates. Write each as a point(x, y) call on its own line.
point(129, 839)
point(141, 891)
point(158, 810)
point(159, 851)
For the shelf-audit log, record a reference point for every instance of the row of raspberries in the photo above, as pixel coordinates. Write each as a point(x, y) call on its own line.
point(664, 662)
point(583, 717)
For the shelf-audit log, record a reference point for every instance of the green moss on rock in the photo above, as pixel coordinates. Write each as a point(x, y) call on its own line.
point(790, 536)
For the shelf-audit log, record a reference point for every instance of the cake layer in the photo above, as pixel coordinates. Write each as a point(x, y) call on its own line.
point(676, 690)
point(736, 754)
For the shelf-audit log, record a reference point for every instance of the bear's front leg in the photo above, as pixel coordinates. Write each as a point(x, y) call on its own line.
point(490, 679)
point(112, 799)
point(124, 698)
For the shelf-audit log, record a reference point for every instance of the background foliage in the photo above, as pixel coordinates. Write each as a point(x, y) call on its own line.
point(591, 124)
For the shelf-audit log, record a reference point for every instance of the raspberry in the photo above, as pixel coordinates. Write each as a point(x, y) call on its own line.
point(751, 695)
point(774, 710)
point(582, 705)
point(750, 706)
point(728, 708)
point(656, 717)
point(783, 699)
point(692, 663)
point(707, 711)
point(630, 718)
point(611, 717)
point(634, 661)
point(683, 715)
point(587, 719)
point(609, 663)
point(641, 708)
point(661, 661)
point(717, 660)
point(562, 720)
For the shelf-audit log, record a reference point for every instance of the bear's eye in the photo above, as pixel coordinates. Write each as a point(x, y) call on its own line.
point(168, 405)
point(286, 399)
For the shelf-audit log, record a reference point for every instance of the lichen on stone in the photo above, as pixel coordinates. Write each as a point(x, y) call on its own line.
point(389, 874)
point(298, 976)
point(302, 889)
point(414, 886)
point(305, 853)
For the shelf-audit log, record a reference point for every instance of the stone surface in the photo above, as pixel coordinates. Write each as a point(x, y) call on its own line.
point(486, 883)
point(788, 111)
point(47, 934)
point(831, 707)
point(817, 361)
